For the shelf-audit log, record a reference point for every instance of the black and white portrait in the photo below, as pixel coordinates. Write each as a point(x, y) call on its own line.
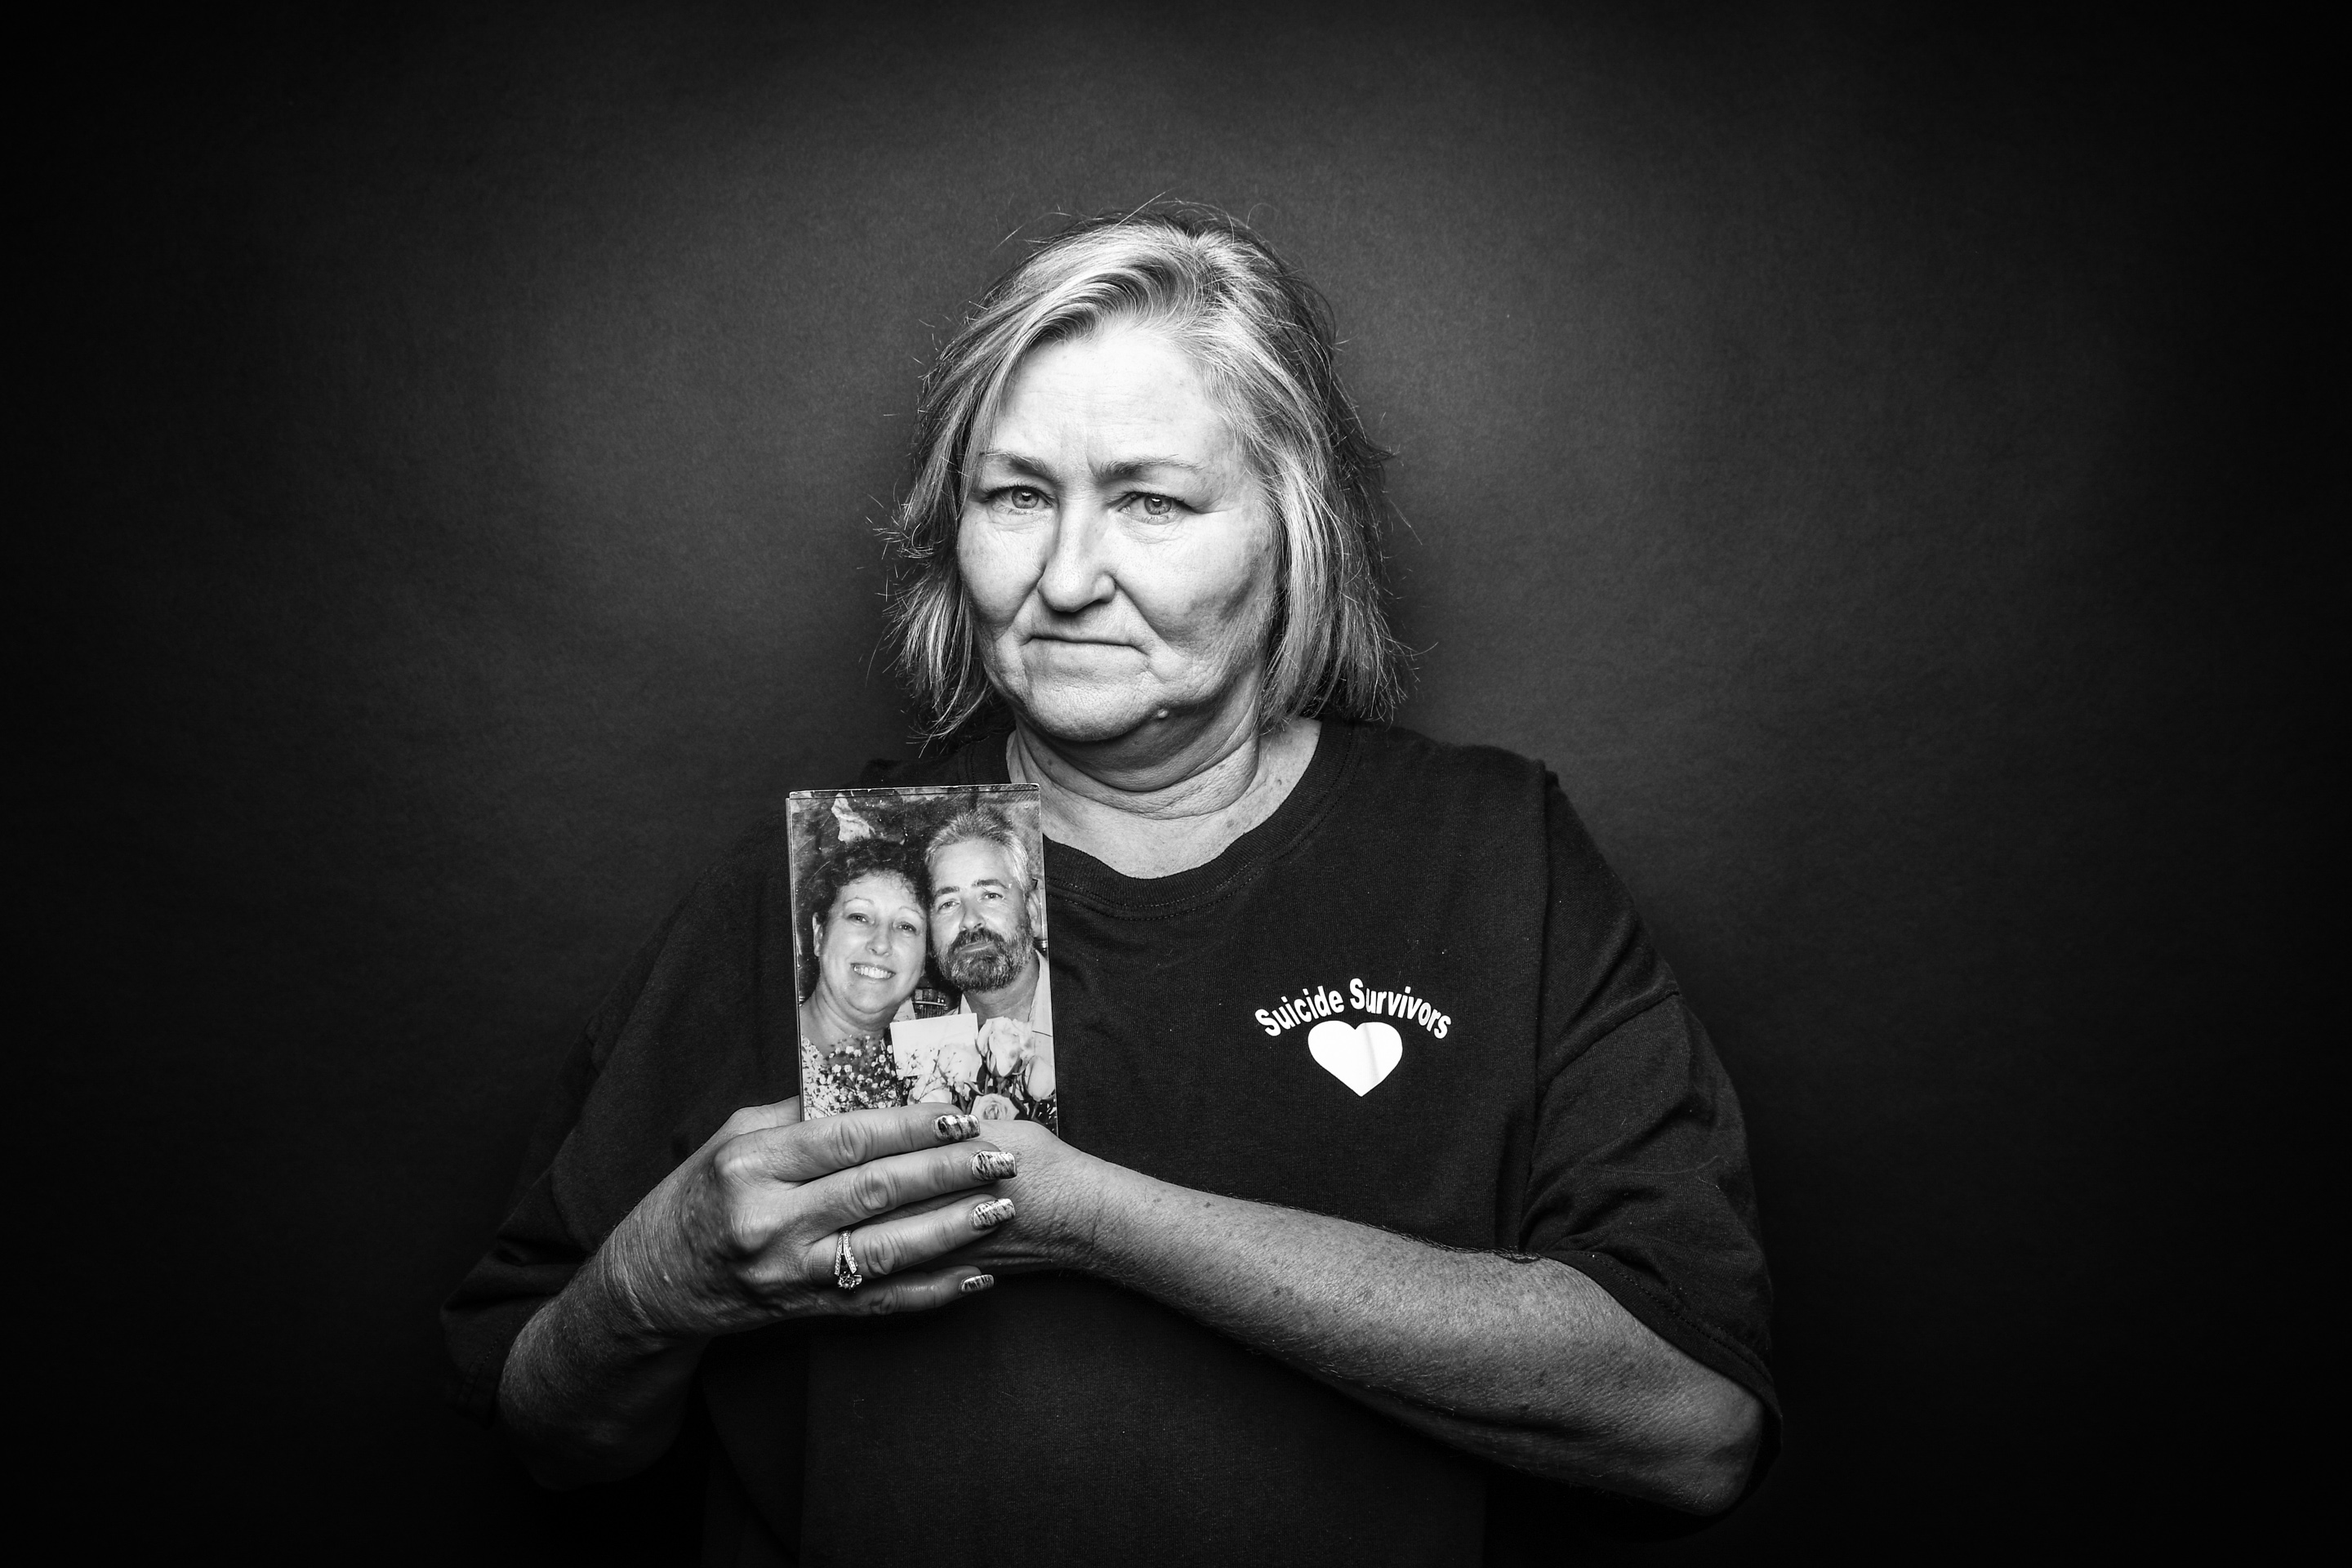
point(1055, 785)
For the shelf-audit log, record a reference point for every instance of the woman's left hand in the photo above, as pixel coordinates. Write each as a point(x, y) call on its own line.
point(1060, 1197)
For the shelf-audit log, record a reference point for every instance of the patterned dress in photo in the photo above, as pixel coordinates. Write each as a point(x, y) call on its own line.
point(856, 1073)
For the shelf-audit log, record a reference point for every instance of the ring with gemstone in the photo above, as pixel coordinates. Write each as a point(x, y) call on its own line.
point(845, 1264)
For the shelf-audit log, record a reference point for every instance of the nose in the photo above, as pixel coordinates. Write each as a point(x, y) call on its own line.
point(1077, 573)
point(879, 942)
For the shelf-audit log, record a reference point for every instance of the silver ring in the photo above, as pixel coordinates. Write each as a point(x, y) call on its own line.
point(845, 1264)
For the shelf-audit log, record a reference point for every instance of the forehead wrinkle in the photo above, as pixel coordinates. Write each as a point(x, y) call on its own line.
point(1127, 405)
point(1120, 469)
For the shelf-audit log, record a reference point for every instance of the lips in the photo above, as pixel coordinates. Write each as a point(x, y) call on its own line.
point(869, 971)
point(1064, 639)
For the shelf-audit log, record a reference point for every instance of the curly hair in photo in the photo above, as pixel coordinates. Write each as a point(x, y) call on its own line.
point(814, 892)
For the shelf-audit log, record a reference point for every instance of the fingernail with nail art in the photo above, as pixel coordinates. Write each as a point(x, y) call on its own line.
point(993, 1165)
point(976, 1284)
point(991, 1213)
point(955, 1128)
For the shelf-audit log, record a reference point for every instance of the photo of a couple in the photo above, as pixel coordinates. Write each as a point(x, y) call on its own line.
point(919, 951)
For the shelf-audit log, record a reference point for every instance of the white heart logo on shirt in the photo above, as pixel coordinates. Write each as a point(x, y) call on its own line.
point(1358, 1055)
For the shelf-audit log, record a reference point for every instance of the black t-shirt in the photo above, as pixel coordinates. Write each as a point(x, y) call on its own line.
point(1413, 997)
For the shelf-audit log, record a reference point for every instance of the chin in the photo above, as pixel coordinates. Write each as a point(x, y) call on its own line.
point(865, 1001)
point(1088, 716)
point(1084, 696)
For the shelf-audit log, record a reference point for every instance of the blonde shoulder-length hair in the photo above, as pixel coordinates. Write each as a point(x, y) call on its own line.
point(1263, 339)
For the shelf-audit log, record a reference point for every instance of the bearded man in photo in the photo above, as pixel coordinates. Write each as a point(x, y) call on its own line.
point(984, 923)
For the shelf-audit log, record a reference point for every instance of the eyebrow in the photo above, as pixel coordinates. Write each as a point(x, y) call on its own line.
point(939, 888)
point(1127, 469)
point(869, 900)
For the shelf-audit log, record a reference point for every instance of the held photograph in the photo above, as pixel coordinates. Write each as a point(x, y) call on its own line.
point(919, 937)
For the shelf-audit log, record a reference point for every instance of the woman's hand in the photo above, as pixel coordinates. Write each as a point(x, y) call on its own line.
point(1524, 1360)
point(1061, 1195)
point(743, 1234)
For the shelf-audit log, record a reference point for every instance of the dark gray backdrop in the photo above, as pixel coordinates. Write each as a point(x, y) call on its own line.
point(1864, 457)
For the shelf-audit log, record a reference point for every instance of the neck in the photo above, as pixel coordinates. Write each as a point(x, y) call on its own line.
point(1013, 1001)
point(823, 1020)
point(1154, 773)
point(1158, 816)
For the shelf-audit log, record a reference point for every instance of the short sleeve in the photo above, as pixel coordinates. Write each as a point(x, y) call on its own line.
point(698, 1026)
point(529, 1264)
point(1640, 1177)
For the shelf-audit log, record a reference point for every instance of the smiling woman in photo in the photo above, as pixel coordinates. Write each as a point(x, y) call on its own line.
point(867, 948)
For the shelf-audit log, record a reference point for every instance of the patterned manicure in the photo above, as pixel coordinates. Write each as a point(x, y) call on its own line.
point(955, 1128)
point(976, 1284)
point(991, 1213)
point(993, 1165)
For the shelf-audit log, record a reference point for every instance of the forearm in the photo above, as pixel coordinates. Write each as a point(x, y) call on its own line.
point(1526, 1362)
point(1693, 1452)
point(589, 1392)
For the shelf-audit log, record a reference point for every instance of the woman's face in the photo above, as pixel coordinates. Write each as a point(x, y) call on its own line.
point(870, 948)
point(1118, 552)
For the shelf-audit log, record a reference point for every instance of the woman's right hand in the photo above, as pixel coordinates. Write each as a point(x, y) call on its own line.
point(743, 1233)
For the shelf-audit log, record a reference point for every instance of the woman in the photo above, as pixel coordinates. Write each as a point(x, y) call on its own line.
point(866, 934)
point(1394, 1164)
